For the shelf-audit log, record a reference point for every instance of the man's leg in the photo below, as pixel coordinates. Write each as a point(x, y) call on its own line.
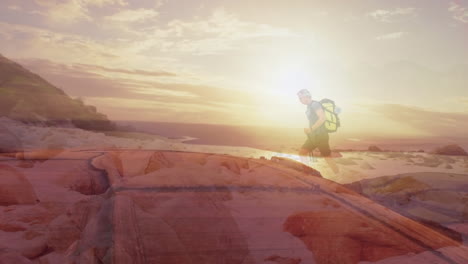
point(306, 148)
point(304, 155)
point(324, 147)
point(332, 165)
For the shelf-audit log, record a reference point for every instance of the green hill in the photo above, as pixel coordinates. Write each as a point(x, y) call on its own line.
point(26, 97)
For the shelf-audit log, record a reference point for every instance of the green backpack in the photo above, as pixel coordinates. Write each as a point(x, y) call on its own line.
point(332, 120)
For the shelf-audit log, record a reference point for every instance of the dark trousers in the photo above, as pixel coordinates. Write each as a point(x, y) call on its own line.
point(320, 141)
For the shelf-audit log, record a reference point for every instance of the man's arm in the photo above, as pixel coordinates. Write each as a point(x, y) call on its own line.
point(320, 120)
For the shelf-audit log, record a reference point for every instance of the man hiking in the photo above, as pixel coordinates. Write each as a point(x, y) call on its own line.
point(317, 135)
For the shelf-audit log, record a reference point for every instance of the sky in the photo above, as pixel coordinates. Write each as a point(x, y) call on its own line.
point(396, 68)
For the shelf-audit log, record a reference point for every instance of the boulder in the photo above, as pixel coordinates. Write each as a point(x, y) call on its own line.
point(453, 150)
point(374, 148)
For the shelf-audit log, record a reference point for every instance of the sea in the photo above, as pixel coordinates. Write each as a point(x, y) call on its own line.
point(268, 138)
point(279, 139)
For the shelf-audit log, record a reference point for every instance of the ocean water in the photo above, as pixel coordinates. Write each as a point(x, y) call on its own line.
point(282, 139)
point(246, 136)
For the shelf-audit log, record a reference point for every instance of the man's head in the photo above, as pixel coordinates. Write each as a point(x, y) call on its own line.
point(304, 96)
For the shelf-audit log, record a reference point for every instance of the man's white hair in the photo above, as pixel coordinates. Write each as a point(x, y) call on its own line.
point(303, 92)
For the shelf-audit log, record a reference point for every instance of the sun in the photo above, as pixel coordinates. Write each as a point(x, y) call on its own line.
point(290, 76)
point(294, 79)
point(277, 100)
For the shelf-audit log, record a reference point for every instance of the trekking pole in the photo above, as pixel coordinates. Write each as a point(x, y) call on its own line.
point(310, 153)
point(312, 159)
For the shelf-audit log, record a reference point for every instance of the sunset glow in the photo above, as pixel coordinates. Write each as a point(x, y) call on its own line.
point(238, 62)
point(233, 131)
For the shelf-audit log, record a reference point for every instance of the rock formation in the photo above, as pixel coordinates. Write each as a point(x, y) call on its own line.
point(454, 150)
point(134, 206)
point(374, 148)
point(27, 97)
point(15, 188)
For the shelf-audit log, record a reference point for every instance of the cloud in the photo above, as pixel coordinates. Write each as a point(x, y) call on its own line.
point(14, 7)
point(72, 11)
point(222, 23)
point(221, 31)
point(73, 50)
point(79, 70)
point(133, 99)
point(444, 124)
point(146, 64)
point(64, 12)
point(170, 111)
point(147, 104)
point(410, 83)
point(130, 16)
point(391, 36)
point(463, 102)
point(46, 44)
point(392, 15)
point(84, 81)
point(94, 68)
point(84, 3)
point(459, 13)
point(216, 33)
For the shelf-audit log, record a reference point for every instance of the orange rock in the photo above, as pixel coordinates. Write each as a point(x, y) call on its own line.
point(174, 207)
point(15, 188)
point(454, 150)
point(290, 163)
point(281, 260)
point(10, 257)
point(342, 237)
point(347, 238)
point(62, 232)
point(156, 162)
